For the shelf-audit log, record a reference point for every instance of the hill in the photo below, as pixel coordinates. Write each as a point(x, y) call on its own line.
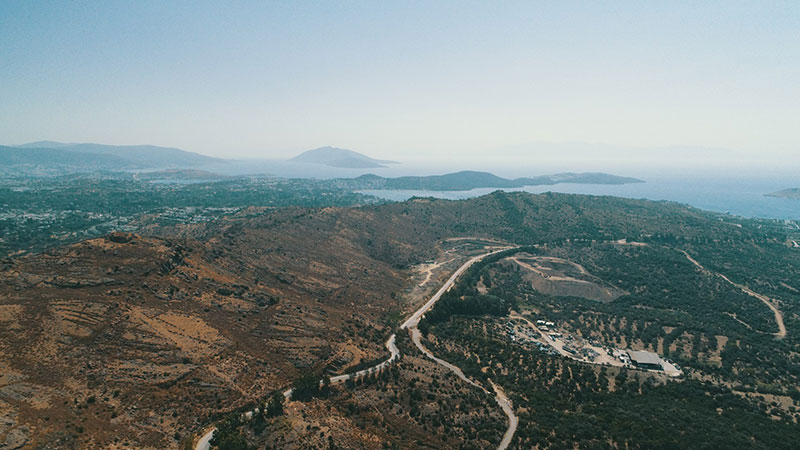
point(466, 180)
point(102, 342)
point(15, 160)
point(339, 157)
point(786, 193)
point(56, 157)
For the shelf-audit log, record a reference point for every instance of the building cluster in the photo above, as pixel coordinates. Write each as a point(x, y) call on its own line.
point(548, 339)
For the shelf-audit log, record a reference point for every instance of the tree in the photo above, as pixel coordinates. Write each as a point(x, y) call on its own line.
point(228, 437)
point(274, 406)
point(309, 386)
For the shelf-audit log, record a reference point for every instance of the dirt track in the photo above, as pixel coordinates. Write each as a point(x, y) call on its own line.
point(771, 303)
point(411, 324)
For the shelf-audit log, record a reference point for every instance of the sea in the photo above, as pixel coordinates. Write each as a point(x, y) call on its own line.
point(740, 196)
point(736, 189)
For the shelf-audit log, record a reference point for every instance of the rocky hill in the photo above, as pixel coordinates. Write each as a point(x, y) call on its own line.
point(109, 337)
point(144, 340)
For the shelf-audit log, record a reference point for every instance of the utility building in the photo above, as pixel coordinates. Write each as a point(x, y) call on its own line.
point(645, 360)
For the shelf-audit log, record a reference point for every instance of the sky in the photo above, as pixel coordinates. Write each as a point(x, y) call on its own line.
point(407, 79)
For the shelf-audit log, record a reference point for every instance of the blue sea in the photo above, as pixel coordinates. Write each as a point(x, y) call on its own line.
point(733, 195)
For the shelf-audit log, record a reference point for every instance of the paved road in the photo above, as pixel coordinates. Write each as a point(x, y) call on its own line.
point(413, 321)
point(393, 350)
point(410, 324)
point(416, 336)
point(205, 441)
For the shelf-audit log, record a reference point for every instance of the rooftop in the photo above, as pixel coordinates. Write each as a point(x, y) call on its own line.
point(644, 357)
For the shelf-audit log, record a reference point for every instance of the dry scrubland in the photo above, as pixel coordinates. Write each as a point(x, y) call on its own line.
point(148, 339)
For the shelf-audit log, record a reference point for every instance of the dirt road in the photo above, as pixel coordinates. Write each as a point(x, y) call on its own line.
point(414, 319)
point(416, 336)
point(513, 420)
point(771, 303)
point(411, 324)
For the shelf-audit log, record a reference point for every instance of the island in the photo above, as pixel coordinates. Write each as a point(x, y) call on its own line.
point(786, 193)
point(467, 180)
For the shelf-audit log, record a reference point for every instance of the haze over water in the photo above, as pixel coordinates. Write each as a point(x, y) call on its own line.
point(725, 191)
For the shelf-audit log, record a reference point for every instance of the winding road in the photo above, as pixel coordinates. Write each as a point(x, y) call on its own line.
point(513, 420)
point(204, 443)
point(416, 336)
point(771, 303)
point(395, 353)
point(413, 321)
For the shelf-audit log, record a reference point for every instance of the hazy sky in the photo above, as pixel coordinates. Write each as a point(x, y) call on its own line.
point(401, 79)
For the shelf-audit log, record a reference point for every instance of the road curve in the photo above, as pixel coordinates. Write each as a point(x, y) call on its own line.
point(204, 443)
point(393, 350)
point(416, 336)
point(771, 304)
point(513, 420)
point(414, 319)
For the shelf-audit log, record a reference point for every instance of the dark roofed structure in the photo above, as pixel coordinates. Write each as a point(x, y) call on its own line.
point(645, 360)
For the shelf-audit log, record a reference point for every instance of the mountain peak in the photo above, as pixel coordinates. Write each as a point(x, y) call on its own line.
point(339, 157)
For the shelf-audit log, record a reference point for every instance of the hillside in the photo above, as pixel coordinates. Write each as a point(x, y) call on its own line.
point(107, 338)
point(48, 157)
point(14, 160)
point(339, 157)
point(111, 335)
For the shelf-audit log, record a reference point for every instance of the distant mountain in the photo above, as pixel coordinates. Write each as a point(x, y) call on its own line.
point(464, 181)
point(24, 160)
point(141, 155)
point(786, 193)
point(339, 157)
point(55, 157)
point(44, 144)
